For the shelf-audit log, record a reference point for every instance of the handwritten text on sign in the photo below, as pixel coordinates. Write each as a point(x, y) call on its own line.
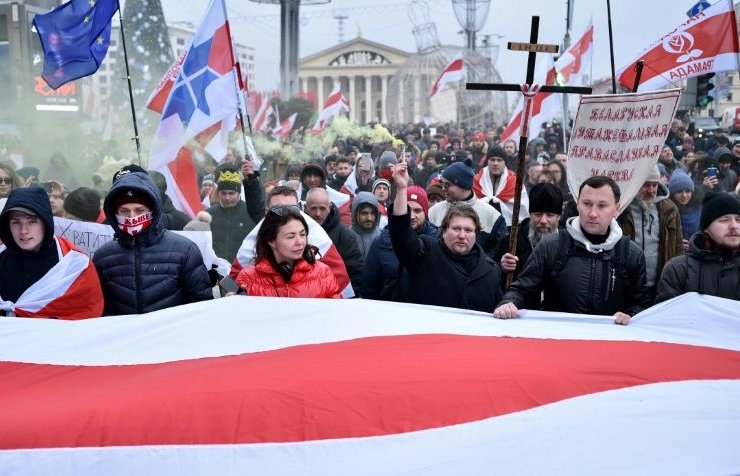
point(619, 136)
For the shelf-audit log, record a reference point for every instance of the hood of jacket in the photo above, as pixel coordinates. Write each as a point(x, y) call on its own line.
point(333, 220)
point(365, 198)
point(140, 182)
point(33, 199)
point(573, 225)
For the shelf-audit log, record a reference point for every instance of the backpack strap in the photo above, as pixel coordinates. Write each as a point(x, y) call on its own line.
point(565, 243)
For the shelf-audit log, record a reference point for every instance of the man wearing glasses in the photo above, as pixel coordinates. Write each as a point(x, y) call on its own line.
point(457, 185)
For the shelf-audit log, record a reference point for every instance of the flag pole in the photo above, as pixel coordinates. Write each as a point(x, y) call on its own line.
point(238, 83)
point(611, 45)
point(130, 90)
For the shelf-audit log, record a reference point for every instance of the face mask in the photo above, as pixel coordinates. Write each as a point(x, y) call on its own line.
point(134, 225)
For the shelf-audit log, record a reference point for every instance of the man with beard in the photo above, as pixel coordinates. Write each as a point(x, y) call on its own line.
point(511, 159)
point(365, 220)
point(712, 263)
point(545, 205)
point(654, 224)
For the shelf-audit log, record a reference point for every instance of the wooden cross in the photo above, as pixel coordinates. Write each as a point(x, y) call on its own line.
point(529, 92)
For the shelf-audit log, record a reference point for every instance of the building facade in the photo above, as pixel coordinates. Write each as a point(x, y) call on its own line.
point(362, 67)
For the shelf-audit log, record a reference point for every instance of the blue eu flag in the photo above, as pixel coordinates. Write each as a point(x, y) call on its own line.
point(75, 38)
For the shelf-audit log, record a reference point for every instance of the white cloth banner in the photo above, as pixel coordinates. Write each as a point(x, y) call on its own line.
point(619, 136)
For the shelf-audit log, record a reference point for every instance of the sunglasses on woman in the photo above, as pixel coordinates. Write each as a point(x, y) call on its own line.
point(286, 210)
point(6, 180)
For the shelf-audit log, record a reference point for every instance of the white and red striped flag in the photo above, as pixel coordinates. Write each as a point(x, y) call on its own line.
point(203, 95)
point(333, 106)
point(262, 117)
point(451, 73)
point(282, 130)
point(317, 237)
point(705, 43)
point(272, 386)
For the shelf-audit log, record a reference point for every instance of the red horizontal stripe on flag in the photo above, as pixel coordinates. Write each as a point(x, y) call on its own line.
point(363, 387)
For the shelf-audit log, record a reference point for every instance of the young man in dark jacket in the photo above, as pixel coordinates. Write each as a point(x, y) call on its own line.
point(588, 268)
point(146, 268)
point(450, 269)
point(712, 263)
point(233, 218)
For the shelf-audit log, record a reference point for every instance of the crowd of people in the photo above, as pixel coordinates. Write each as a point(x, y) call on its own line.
point(427, 220)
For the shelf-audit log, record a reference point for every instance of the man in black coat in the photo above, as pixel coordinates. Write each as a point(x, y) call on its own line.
point(588, 268)
point(450, 269)
point(146, 268)
point(319, 207)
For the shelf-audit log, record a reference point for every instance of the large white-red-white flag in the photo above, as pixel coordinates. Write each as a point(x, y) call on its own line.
point(203, 96)
point(271, 386)
point(335, 103)
point(451, 73)
point(705, 43)
point(262, 117)
point(572, 68)
point(282, 130)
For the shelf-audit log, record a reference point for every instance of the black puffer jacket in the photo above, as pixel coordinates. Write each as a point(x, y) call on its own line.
point(588, 282)
point(439, 277)
point(20, 269)
point(703, 269)
point(346, 243)
point(154, 270)
point(229, 226)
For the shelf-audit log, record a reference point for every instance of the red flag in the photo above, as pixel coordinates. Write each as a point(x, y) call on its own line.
point(704, 43)
point(451, 73)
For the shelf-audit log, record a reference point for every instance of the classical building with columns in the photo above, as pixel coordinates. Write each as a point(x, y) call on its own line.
point(362, 67)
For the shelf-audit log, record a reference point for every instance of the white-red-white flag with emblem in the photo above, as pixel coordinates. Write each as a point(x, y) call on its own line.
point(705, 43)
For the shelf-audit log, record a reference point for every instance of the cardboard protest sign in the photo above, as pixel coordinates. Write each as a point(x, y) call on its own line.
point(619, 136)
point(88, 237)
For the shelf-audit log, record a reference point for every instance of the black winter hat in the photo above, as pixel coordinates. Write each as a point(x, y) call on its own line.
point(460, 174)
point(496, 151)
point(84, 203)
point(127, 170)
point(545, 198)
point(715, 205)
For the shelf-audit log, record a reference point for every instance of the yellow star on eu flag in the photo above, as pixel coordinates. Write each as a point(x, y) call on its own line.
point(92, 3)
point(86, 20)
point(100, 40)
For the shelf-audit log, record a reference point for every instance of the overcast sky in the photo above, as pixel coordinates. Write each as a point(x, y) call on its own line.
point(636, 23)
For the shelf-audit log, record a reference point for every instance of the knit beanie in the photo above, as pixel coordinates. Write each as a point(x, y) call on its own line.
point(715, 205)
point(202, 222)
point(434, 191)
point(496, 151)
point(417, 194)
point(546, 198)
point(460, 174)
point(84, 203)
point(654, 175)
point(680, 181)
point(132, 196)
point(381, 181)
point(128, 169)
point(229, 179)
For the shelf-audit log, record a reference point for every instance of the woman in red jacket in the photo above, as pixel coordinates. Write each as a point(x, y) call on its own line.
point(285, 264)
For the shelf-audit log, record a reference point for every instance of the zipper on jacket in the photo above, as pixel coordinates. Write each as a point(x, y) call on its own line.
point(137, 277)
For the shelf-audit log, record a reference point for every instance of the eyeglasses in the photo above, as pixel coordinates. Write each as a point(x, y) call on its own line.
point(6, 180)
point(286, 210)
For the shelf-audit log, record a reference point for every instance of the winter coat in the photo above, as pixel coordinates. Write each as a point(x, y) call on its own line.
point(703, 269)
point(365, 237)
point(670, 237)
point(381, 265)
point(523, 247)
point(153, 270)
point(308, 281)
point(346, 243)
point(229, 226)
point(437, 276)
point(588, 281)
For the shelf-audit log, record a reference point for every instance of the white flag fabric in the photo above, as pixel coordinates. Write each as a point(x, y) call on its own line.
point(275, 386)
